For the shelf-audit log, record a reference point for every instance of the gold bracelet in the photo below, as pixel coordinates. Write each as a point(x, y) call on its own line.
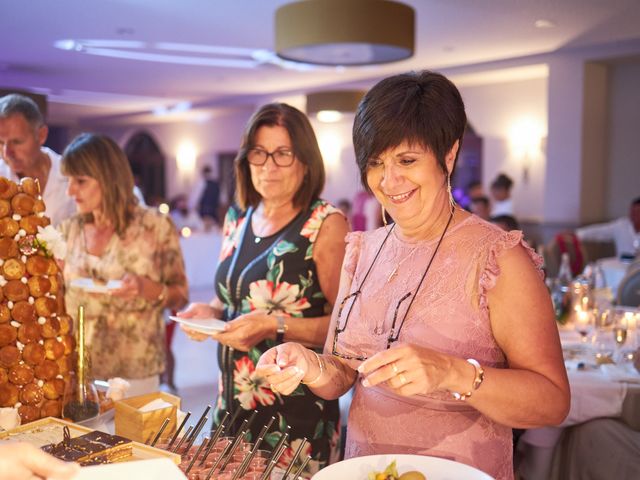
point(477, 381)
point(321, 365)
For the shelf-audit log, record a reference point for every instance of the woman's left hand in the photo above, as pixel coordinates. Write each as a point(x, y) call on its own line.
point(247, 330)
point(406, 369)
point(131, 287)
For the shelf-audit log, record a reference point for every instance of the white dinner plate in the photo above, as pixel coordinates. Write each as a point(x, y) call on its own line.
point(88, 285)
point(202, 325)
point(432, 468)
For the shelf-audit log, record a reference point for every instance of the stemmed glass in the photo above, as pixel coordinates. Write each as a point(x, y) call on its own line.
point(584, 323)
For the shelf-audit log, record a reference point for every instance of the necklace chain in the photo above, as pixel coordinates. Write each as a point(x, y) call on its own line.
point(394, 272)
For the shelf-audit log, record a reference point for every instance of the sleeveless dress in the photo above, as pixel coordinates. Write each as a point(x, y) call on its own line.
point(449, 314)
point(275, 274)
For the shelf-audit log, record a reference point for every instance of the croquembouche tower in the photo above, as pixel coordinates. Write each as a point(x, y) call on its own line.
point(37, 344)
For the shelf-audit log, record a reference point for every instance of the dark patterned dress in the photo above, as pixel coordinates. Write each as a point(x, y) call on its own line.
point(275, 274)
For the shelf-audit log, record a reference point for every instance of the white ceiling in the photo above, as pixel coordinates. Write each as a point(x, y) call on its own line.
point(449, 33)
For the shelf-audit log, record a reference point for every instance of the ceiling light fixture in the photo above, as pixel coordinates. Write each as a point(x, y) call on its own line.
point(330, 106)
point(345, 32)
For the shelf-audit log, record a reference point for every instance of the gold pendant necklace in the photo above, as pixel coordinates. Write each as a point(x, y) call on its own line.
point(394, 272)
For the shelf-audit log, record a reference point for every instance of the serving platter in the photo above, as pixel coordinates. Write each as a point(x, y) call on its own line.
point(433, 468)
point(89, 285)
point(50, 430)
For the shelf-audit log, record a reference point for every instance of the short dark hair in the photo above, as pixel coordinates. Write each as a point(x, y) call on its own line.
point(502, 181)
point(303, 143)
point(483, 200)
point(423, 108)
point(635, 201)
point(508, 221)
point(16, 104)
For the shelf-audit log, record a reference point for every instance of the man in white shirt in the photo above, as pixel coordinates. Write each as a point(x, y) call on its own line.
point(624, 231)
point(501, 196)
point(22, 136)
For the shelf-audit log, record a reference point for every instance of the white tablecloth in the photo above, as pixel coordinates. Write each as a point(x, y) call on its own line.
point(200, 252)
point(595, 393)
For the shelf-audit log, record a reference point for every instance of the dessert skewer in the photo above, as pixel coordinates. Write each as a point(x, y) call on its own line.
point(159, 434)
point(175, 435)
point(214, 438)
point(293, 460)
point(247, 459)
point(179, 444)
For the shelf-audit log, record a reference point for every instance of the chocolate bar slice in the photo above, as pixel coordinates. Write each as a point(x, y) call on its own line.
point(90, 448)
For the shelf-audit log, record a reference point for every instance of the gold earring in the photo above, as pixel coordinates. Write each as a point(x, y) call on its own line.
point(384, 216)
point(452, 201)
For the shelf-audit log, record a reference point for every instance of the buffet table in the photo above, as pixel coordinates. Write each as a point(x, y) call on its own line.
point(200, 252)
point(605, 391)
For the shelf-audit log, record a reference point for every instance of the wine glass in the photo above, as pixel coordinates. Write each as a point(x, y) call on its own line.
point(584, 323)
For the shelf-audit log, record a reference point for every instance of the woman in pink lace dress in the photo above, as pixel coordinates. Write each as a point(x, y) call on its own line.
point(445, 326)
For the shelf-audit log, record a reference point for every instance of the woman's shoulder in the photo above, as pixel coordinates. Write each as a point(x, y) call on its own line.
point(322, 208)
point(150, 218)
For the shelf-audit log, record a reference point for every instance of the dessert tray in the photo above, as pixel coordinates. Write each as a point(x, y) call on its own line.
point(51, 430)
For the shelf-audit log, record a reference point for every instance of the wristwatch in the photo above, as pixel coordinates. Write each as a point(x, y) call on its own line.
point(281, 329)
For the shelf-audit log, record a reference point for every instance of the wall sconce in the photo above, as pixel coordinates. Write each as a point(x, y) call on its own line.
point(339, 32)
point(525, 138)
point(186, 158)
point(330, 143)
point(330, 106)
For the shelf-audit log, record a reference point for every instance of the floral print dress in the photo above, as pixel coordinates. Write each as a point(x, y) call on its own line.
point(125, 337)
point(275, 274)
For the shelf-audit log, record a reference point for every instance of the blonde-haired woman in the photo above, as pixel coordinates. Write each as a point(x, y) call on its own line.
point(113, 238)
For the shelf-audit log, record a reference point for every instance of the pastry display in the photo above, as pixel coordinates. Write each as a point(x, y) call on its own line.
point(36, 337)
point(91, 448)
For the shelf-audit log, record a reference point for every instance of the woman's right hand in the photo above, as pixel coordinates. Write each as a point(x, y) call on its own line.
point(285, 366)
point(196, 310)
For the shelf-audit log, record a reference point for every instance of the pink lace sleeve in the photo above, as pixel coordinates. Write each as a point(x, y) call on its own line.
point(352, 253)
point(492, 270)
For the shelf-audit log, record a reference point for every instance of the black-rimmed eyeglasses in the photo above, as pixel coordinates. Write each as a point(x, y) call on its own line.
point(393, 333)
point(281, 157)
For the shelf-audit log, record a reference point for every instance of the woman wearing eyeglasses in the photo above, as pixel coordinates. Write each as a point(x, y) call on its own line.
point(278, 278)
point(443, 322)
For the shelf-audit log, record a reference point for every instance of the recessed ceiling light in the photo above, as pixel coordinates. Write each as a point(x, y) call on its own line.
point(544, 23)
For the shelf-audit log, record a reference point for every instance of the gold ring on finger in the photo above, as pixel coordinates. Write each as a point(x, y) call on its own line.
point(403, 379)
point(394, 367)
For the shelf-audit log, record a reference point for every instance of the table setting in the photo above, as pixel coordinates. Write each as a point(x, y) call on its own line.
point(600, 347)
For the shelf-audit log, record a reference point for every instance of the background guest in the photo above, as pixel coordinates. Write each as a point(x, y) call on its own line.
point(501, 195)
point(278, 276)
point(506, 222)
point(444, 325)
point(480, 206)
point(183, 216)
point(624, 231)
point(206, 197)
point(113, 238)
point(22, 136)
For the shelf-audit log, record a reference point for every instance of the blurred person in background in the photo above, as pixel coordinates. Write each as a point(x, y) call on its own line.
point(23, 133)
point(183, 216)
point(480, 206)
point(502, 204)
point(113, 238)
point(624, 231)
point(506, 222)
point(278, 277)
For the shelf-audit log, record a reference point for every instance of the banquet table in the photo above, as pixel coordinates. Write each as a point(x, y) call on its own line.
point(605, 391)
point(200, 251)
